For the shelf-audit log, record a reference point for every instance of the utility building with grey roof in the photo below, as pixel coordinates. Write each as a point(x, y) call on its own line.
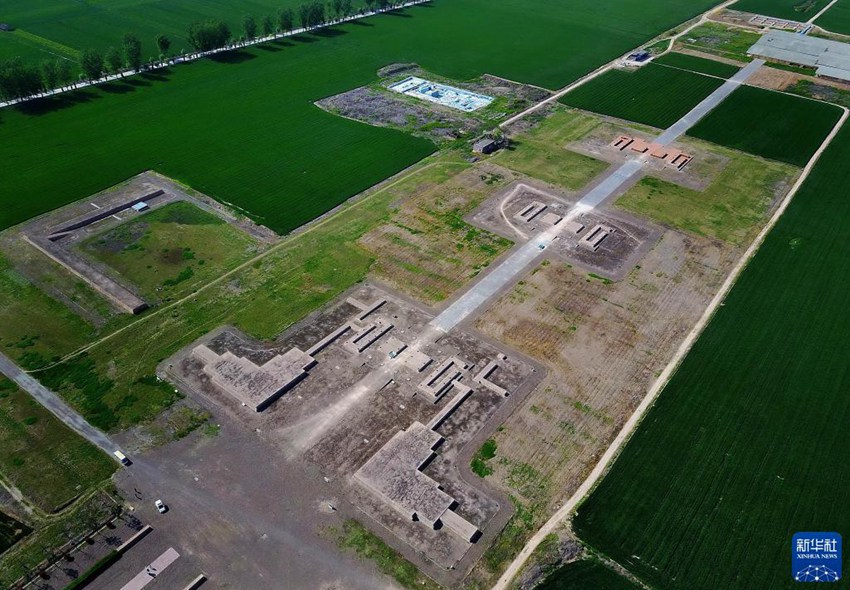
point(831, 58)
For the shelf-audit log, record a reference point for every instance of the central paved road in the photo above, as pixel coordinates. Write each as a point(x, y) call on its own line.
point(676, 130)
point(506, 272)
point(56, 405)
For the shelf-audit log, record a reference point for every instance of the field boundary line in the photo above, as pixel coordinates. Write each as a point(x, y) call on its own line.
point(693, 71)
point(628, 429)
point(822, 11)
point(285, 241)
point(609, 66)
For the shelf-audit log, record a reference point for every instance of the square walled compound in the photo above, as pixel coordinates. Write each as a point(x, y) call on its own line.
point(57, 233)
point(366, 393)
point(603, 241)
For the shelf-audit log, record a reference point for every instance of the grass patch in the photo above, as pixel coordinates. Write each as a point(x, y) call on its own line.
point(730, 209)
point(42, 457)
point(723, 40)
point(726, 451)
point(836, 19)
point(806, 71)
point(700, 65)
point(11, 531)
point(171, 250)
point(428, 250)
point(811, 89)
point(652, 95)
point(485, 453)
point(34, 326)
point(367, 545)
point(275, 155)
point(512, 538)
point(104, 402)
point(541, 153)
point(585, 574)
point(768, 124)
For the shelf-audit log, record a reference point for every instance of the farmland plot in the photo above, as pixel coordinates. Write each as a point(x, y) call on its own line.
point(653, 95)
point(697, 64)
point(242, 128)
point(769, 124)
point(726, 453)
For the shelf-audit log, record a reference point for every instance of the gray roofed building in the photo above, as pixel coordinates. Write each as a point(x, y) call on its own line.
point(831, 58)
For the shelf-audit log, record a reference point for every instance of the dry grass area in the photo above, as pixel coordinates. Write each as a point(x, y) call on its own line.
point(775, 79)
point(603, 343)
point(427, 250)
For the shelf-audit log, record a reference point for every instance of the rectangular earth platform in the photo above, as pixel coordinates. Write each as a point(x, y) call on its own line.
point(395, 474)
point(255, 386)
point(594, 238)
point(669, 155)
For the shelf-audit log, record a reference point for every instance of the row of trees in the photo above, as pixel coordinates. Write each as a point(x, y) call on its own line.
point(19, 79)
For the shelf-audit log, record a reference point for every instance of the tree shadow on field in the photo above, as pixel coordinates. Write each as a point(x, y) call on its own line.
point(160, 75)
point(401, 12)
point(281, 43)
point(237, 56)
point(269, 47)
point(116, 87)
point(304, 39)
point(330, 32)
point(361, 23)
point(137, 82)
point(50, 104)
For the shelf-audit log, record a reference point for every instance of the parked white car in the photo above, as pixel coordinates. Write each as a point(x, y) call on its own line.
point(160, 505)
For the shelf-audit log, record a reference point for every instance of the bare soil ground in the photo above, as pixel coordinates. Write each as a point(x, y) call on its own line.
point(379, 106)
point(386, 109)
point(353, 424)
point(631, 238)
point(603, 345)
point(775, 79)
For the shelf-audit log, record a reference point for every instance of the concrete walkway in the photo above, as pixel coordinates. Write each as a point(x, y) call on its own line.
point(819, 14)
point(565, 511)
point(681, 126)
point(56, 405)
point(506, 272)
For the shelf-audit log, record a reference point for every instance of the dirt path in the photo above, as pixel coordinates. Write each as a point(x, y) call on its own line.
point(631, 425)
